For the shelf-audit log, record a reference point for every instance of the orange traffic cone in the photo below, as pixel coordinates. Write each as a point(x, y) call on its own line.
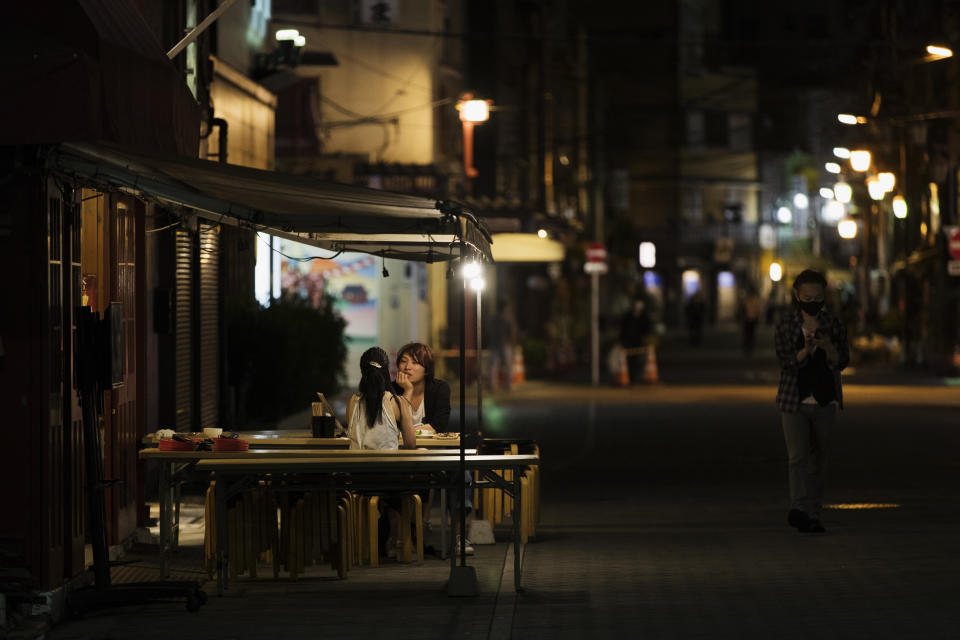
point(650, 373)
point(623, 377)
point(519, 373)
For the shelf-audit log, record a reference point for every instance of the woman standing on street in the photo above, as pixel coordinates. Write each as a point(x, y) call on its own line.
point(812, 348)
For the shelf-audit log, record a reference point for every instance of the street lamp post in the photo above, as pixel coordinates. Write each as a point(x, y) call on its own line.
point(472, 112)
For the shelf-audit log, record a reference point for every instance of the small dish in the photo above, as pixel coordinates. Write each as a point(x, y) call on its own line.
point(212, 432)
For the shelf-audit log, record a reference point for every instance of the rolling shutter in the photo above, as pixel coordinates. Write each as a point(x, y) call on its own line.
point(209, 325)
point(183, 334)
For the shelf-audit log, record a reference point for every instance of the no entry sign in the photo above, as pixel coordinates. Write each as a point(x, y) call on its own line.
point(953, 242)
point(596, 252)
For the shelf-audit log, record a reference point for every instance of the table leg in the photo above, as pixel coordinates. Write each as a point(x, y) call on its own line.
point(517, 510)
point(444, 523)
point(175, 537)
point(164, 517)
point(221, 548)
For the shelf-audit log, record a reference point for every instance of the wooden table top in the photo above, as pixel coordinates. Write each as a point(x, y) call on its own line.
point(303, 440)
point(275, 454)
point(328, 464)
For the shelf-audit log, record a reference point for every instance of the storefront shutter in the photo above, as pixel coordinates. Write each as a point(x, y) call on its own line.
point(209, 325)
point(183, 338)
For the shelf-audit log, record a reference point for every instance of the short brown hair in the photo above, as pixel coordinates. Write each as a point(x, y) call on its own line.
point(419, 353)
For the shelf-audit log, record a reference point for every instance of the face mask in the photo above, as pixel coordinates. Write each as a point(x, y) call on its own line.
point(812, 308)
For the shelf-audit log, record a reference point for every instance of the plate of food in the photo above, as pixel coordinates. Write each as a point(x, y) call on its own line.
point(425, 433)
point(448, 436)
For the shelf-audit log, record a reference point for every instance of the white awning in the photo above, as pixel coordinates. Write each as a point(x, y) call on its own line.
point(328, 215)
point(526, 247)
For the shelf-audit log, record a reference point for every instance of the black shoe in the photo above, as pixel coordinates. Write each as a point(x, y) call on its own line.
point(812, 526)
point(797, 519)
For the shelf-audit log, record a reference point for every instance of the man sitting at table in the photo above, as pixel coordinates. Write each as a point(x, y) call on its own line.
point(377, 419)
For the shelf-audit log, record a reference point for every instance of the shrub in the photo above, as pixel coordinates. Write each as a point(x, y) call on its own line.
point(280, 356)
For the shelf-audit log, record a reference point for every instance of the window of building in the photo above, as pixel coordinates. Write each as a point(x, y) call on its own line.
point(696, 128)
point(741, 131)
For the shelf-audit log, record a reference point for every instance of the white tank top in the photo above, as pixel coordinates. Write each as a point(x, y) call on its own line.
point(417, 414)
point(384, 434)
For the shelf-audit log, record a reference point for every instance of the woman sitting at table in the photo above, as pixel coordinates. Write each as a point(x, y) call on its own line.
point(429, 400)
point(377, 419)
point(429, 397)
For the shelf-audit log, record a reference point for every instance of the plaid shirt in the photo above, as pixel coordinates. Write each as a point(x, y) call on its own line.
point(789, 334)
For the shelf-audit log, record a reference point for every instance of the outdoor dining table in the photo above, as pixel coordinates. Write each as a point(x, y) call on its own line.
point(330, 469)
point(283, 439)
point(404, 471)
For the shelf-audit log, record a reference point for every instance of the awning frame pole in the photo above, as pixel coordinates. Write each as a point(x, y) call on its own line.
point(200, 28)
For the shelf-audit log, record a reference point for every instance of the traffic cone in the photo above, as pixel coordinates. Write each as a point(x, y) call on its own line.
point(650, 373)
point(623, 377)
point(519, 373)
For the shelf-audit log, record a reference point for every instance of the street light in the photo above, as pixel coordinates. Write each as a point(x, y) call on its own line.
point(475, 111)
point(875, 188)
point(472, 112)
point(847, 229)
point(899, 207)
point(860, 160)
point(800, 201)
point(784, 215)
point(849, 118)
point(843, 192)
point(648, 255)
point(887, 181)
point(776, 271)
point(841, 152)
point(832, 167)
point(938, 52)
point(834, 211)
point(826, 193)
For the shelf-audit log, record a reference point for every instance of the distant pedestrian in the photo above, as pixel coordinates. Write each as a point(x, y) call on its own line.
point(695, 310)
point(749, 318)
point(503, 338)
point(811, 346)
point(634, 331)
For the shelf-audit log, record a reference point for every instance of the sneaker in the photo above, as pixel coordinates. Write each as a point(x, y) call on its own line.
point(797, 519)
point(469, 547)
point(812, 526)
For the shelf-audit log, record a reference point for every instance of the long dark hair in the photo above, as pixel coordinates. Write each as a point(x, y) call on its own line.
point(374, 380)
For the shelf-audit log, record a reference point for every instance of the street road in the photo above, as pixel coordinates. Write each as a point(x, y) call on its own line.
point(664, 516)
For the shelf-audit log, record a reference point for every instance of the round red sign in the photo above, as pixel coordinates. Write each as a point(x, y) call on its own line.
point(596, 252)
point(954, 243)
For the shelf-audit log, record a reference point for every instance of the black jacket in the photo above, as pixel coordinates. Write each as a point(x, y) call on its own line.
point(436, 404)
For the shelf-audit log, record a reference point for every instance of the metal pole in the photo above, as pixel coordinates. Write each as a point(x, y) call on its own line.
point(200, 28)
point(595, 328)
point(479, 372)
point(463, 409)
